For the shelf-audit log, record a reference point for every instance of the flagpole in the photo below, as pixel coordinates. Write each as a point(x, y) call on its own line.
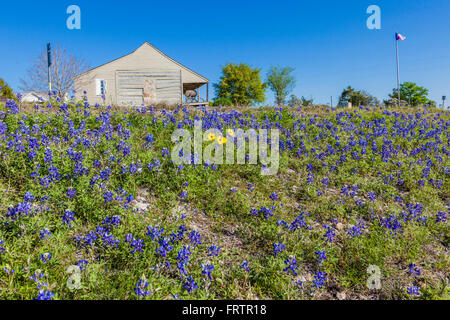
point(398, 69)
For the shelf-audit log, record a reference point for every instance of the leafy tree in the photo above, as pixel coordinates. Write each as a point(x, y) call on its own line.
point(281, 82)
point(240, 85)
point(5, 90)
point(296, 101)
point(357, 98)
point(413, 94)
point(223, 102)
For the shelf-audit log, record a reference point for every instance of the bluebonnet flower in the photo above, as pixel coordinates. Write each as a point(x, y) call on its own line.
point(165, 152)
point(176, 296)
point(136, 244)
point(356, 230)
point(413, 270)
point(320, 256)
point(207, 269)
point(441, 217)
point(96, 164)
point(179, 235)
point(36, 277)
point(413, 291)
point(113, 221)
point(183, 258)
point(108, 196)
point(149, 140)
point(195, 238)
point(274, 196)
point(250, 187)
point(82, 264)
point(298, 223)
point(291, 263)
point(213, 251)
point(267, 212)
point(45, 233)
point(190, 285)
point(244, 266)
point(28, 197)
point(2, 250)
point(44, 295)
point(141, 287)
point(67, 218)
point(109, 240)
point(320, 279)
point(105, 174)
point(183, 195)
point(48, 156)
point(164, 247)
point(45, 257)
point(392, 224)
point(329, 234)
point(154, 232)
point(12, 107)
point(278, 248)
point(71, 193)
point(22, 209)
point(8, 270)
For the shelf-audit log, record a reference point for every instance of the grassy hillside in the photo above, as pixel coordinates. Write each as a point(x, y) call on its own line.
point(92, 207)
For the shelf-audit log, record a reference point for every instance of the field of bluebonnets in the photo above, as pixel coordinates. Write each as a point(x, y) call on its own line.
point(92, 207)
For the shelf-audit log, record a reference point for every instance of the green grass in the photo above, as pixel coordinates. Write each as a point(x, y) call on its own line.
point(220, 215)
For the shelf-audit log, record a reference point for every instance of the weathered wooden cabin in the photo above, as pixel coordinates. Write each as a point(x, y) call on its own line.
point(145, 76)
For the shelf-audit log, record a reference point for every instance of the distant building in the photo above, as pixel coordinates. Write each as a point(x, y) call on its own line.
point(34, 97)
point(145, 76)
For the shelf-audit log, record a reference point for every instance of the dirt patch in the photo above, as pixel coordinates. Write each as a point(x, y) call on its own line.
point(224, 236)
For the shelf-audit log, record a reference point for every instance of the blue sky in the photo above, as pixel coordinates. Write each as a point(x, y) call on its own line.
point(327, 42)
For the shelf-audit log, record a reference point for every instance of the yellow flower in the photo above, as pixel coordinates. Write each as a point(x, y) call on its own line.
point(211, 137)
point(221, 140)
point(230, 132)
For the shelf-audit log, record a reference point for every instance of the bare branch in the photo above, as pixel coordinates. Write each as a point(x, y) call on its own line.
point(65, 67)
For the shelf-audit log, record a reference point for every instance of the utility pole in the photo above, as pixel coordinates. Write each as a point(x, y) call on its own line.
point(49, 64)
point(443, 101)
point(331, 102)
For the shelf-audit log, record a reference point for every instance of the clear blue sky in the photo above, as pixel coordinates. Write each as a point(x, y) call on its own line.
point(327, 42)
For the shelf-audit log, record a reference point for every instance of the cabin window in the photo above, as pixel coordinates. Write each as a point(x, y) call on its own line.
point(100, 87)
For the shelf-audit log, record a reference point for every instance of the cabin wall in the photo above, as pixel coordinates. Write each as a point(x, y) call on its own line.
point(144, 59)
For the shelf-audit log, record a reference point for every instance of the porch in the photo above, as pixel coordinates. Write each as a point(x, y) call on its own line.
point(196, 94)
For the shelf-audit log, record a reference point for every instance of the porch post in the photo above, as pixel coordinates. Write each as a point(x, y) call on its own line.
point(207, 92)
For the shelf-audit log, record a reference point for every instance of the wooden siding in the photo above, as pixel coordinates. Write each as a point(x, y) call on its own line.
point(145, 58)
point(130, 86)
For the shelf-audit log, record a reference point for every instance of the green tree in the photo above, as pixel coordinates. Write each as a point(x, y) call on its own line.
point(296, 101)
point(5, 90)
point(281, 82)
point(240, 85)
point(357, 98)
point(413, 94)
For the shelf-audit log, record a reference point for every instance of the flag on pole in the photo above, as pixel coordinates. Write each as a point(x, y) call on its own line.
point(399, 36)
